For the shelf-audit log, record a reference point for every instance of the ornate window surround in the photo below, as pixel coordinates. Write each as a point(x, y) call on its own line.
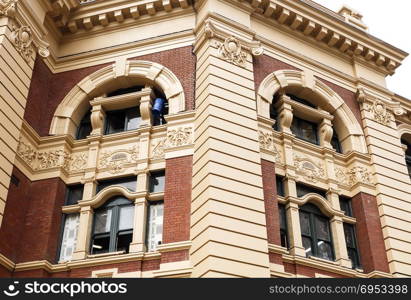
point(68, 114)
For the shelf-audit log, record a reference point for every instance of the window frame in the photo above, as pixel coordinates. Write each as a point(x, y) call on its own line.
point(348, 211)
point(110, 113)
point(314, 214)
point(357, 263)
point(282, 211)
point(69, 192)
point(116, 182)
point(299, 134)
point(151, 178)
point(114, 224)
point(310, 189)
point(86, 120)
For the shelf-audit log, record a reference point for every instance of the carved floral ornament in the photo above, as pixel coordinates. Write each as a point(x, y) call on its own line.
point(231, 51)
point(22, 38)
point(8, 8)
point(350, 177)
point(267, 142)
point(51, 159)
point(310, 170)
point(116, 160)
point(177, 137)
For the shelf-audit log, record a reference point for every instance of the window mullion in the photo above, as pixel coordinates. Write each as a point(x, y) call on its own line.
point(114, 228)
point(313, 235)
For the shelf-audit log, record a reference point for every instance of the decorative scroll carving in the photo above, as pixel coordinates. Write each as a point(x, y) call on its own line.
point(231, 51)
point(179, 137)
point(379, 112)
point(158, 148)
point(51, 159)
point(267, 142)
point(116, 160)
point(76, 162)
point(310, 170)
point(353, 176)
point(27, 153)
point(22, 38)
point(8, 8)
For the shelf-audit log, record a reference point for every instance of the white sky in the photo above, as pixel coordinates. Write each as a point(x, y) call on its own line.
point(390, 21)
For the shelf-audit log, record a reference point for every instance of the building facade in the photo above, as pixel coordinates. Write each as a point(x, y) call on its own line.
point(209, 138)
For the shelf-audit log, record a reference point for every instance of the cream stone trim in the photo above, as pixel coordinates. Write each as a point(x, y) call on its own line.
point(70, 111)
point(7, 263)
point(277, 249)
point(107, 273)
point(346, 124)
point(180, 269)
point(320, 202)
point(176, 246)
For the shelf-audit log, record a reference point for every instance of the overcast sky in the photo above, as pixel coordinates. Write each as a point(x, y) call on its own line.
point(391, 22)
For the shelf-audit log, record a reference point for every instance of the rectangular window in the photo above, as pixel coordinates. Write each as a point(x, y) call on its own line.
point(155, 226)
point(345, 205)
point(305, 130)
point(69, 238)
point(157, 181)
point(280, 185)
point(283, 226)
point(122, 120)
point(303, 189)
point(127, 182)
point(351, 241)
point(74, 193)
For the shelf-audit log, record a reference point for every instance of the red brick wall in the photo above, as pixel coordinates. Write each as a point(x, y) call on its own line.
point(18, 201)
point(270, 202)
point(4, 273)
point(265, 65)
point(182, 62)
point(369, 233)
point(348, 97)
point(177, 199)
point(47, 90)
point(41, 228)
point(308, 271)
point(173, 256)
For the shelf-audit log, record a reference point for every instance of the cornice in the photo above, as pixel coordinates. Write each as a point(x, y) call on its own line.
point(327, 30)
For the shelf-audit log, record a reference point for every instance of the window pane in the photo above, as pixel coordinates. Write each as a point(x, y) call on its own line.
point(155, 226)
point(133, 118)
point(102, 221)
point(74, 194)
point(283, 221)
point(84, 131)
point(101, 244)
point(303, 189)
point(115, 121)
point(127, 182)
point(349, 235)
point(123, 241)
point(69, 240)
point(307, 246)
point(126, 217)
point(308, 132)
point(157, 182)
point(324, 250)
point(322, 228)
point(305, 223)
point(280, 185)
point(284, 239)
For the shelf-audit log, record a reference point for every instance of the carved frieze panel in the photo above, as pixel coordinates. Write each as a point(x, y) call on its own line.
point(267, 142)
point(117, 160)
point(180, 136)
point(379, 112)
point(158, 147)
point(22, 39)
point(352, 176)
point(309, 169)
point(231, 51)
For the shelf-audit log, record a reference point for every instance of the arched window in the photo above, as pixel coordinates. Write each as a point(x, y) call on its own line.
point(316, 233)
point(84, 129)
point(407, 145)
point(113, 226)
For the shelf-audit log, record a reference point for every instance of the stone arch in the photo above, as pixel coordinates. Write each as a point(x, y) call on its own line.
point(118, 75)
point(322, 204)
point(307, 84)
point(106, 194)
point(404, 129)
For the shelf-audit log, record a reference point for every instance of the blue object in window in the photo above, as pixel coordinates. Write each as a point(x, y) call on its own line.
point(158, 105)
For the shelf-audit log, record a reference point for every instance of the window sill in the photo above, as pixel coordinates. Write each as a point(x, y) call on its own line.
point(106, 254)
point(323, 260)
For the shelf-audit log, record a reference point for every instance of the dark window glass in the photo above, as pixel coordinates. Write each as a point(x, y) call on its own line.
point(304, 130)
point(335, 143)
point(407, 155)
point(127, 182)
point(157, 181)
point(351, 241)
point(315, 232)
point(122, 120)
point(123, 91)
point(345, 205)
point(274, 116)
point(74, 193)
point(84, 128)
point(112, 227)
point(283, 226)
point(300, 100)
point(303, 189)
point(280, 185)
